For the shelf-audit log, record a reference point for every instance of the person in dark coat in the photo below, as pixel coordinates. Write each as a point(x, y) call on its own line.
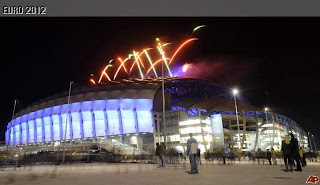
point(301, 151)
point(158, 153)
point(223, 154)
point(304, 158)
point(198, 156)
point(286, 149)
point(269, 156)
point(163, 154)
point(250, 156)
point(295, 152)
point(259, 155)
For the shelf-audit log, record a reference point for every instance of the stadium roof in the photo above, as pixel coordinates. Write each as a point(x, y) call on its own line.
point(185, 91)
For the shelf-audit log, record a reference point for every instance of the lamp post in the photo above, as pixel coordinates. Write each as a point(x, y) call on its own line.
point(235, 92)
point(65, 130)
point(310, 144)
point(163, 108)
point(14, 109)
point(315, 147)
point(266, 112)
point(9, 134)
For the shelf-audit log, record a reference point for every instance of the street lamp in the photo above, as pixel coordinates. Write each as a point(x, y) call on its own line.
point(65, 130)
point(266, 112)
point(235, 92)
point(163, 107)
point(14, 109)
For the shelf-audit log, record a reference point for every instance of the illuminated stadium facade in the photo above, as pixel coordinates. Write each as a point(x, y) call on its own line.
point(129, 113)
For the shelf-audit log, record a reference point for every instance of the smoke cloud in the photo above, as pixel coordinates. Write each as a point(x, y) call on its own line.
point(222, 69)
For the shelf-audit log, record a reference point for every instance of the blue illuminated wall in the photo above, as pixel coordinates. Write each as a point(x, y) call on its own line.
point(84, 119)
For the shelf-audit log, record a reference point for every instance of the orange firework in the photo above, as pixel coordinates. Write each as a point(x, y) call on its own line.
point(137, 61)
point(164, 59)
point(158, 61)
point(180, 47)
point(104, 73)
point(138, 57)
point(150, 61)
point(122, 64)
point(142, 67)
point(92, 81)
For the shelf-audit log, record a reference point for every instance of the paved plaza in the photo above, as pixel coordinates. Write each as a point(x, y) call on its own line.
point(148, 174)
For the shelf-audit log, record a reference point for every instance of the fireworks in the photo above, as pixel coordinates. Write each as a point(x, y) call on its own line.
point(104, 72)
point(137, 59)
point(187, 66)
point(180, 47)
point(198, 27)
point(92, 81)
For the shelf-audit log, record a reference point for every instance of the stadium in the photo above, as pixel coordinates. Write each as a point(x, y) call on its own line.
point(126, 116)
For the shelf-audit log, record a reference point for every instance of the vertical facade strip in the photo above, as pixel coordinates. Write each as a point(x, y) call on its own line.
point(106, 121)
point(93, 121)
point(60, 126)
point(27, 127)
point(14, 133)
point(35, 130)
point(136, 120)
point(51, 127)
point(120, 121)
point(81, 124)
point(69, 117)
point(43, 130)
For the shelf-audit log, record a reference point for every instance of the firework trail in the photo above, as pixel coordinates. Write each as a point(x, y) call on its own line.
point(187, 66)
point(164, 59)
point(180, 47)
point(92, 81)
point(152, 67)
point(150, 61)
point(104, 73)
point(198, 27)
point(122, 64)
point(135, 59)
point(137, 62)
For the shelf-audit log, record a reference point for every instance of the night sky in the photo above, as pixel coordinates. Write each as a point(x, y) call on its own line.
point(39, 56)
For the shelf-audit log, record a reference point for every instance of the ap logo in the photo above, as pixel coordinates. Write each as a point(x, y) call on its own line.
point(313, 179)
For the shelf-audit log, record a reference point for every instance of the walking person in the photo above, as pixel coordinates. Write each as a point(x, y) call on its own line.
point(250, 156)
point(192, 149)
point(158, 153)
point(301, 157)
point(269, 156)
point(295, 152)
point(163, 154)
point(304, 158)
point(259, 155)
point(198, 156)
point(286, 149)
point(274, 157)
point(223, 154)
point(239, 156)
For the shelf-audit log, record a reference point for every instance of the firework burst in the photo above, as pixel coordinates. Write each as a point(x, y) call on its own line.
point(137, 60)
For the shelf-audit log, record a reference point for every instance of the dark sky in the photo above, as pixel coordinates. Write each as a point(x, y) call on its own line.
point(39, 56)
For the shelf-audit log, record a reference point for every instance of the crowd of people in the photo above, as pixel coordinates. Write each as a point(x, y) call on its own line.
point(290, 152)
point(193, 153)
